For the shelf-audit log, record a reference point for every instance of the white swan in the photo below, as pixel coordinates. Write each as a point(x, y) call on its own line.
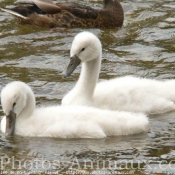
point(22, 118)
point(126, 93)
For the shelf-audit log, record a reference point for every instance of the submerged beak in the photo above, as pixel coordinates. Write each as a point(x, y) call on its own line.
point(10, 123)
point(74, 62)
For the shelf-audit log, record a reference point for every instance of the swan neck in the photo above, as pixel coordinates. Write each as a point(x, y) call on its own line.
point(29, 107)
point(89, 77)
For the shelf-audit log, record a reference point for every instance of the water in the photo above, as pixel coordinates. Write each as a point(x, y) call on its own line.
point(143, 47)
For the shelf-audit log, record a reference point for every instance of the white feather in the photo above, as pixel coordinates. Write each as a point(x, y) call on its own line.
point(65, 121)
point(125, 93)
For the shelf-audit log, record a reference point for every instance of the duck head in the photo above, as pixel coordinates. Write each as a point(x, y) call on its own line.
point(85, 47)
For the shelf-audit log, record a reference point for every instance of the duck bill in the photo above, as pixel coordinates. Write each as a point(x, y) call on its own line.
point(10, 123)
point(74, 62)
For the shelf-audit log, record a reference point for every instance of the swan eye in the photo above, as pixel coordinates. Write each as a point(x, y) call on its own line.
point(14, 104)
point(82, 49)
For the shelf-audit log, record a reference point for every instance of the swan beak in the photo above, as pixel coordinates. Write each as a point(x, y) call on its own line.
point(10, 123)
point(74, 62)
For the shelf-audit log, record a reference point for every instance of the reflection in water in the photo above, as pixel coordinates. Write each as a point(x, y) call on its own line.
point(143, 47)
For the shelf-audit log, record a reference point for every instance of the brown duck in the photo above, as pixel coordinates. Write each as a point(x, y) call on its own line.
point(48, 13)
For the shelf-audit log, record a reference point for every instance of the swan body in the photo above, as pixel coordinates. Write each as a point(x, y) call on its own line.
point(23, 118)
point(127, 93)
point(48, 13)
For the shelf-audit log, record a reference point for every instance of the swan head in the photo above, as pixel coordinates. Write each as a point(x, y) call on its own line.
point(85, 47)
point(13, 100)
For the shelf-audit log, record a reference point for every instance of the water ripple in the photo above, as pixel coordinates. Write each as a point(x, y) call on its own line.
point(143, 47)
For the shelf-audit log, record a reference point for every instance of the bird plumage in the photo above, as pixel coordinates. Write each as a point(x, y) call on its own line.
point(23, 118)
point(49, 13)
point(126, 93)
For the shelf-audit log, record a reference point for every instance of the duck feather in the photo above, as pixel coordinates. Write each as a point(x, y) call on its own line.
point(49, 13)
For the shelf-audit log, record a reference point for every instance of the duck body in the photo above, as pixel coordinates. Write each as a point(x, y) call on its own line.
point(63, 121)
point(125, 93)
point(49, 13)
